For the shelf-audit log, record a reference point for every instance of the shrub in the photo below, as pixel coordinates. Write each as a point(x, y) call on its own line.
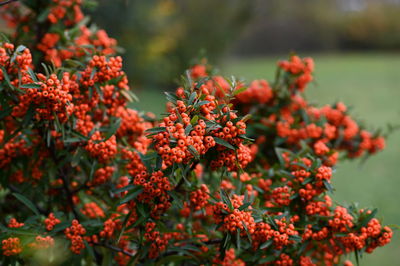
point(232, 174)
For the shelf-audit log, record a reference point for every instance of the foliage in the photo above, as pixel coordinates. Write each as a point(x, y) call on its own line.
point(232, 174)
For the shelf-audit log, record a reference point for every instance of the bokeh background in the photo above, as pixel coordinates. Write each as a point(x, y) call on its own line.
point(355, 44)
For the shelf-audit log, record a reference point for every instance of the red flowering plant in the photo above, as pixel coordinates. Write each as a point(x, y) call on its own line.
point(232, 174)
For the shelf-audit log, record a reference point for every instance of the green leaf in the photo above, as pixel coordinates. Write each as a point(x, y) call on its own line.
point(245, 118)
point(194, 120)
point(147, 159)
point(5, 112)
point(30, 86)
point(223, 143)
point(227, 238)
point(171, 97)
point(200, 103)
point(80, 135)
point(266, 244)
point(176, 199)
point(4, 37)
point(76, 157)
point(124, 226)
point(60, 227)
point(159, 161)
point(245, 137)
point(295, 238)
point(267, 259)
point(237, 91)
point(92, 223)
point(73, 63)
point(122, 189)
point(72, 140)
point(194, 152)
point(225, 199)
point(247, 232)
point(238, 239)
point(192, 97)
point(156, 130)
point(328, 185)
point(32, 75)
point(27, 202)
point(7, 78)
point(279, 152)
point(113, 129)
point(244, 206)
point(307, 180)
point(132, 195)
point(129, 95)
point(272, 221)
point(43, 15)
point(188, 129)
point(18, 231)
point(367, 218)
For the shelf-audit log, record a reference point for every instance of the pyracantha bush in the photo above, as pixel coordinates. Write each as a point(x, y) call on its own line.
point(232, 174)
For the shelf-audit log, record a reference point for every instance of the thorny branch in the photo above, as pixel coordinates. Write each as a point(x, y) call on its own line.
point(7, 2)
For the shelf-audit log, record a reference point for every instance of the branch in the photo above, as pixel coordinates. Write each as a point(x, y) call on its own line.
point(114, 248)
point(213, 242)
point(7, 2)
point(210, 242)
point(68, 194)
point(64, 176)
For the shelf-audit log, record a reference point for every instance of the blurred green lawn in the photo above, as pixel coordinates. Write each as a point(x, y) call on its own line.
point(371, 84)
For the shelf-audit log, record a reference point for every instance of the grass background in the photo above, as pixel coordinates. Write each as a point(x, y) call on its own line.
point(371, 84)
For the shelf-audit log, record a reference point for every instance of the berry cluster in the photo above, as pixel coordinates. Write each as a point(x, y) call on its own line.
point(74, 233)
point(234, 219)
point(13, 223)
point(92, 210)
point(42, 242)
point(185, 135)
point(155, 188)
point(51, 221)
point(52, 99)
point(101, 69)
point(59, 11)
point(258, 91)
point(158, 240)
point(101, 176)
point(11, 246)
point(109, 228)
point(301, 69)
point(103, 150)
point(199, 198)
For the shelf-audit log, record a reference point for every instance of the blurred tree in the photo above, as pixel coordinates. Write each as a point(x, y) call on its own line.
point(281, 26)
point(375, 27)
point(161, 36)
point(321, 25)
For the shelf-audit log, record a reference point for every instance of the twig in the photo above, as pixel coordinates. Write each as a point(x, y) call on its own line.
point(69, 194)
point(114, 248)
point(7, 2)
point(62, 171)
point(213, 242)
point(210, 242)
